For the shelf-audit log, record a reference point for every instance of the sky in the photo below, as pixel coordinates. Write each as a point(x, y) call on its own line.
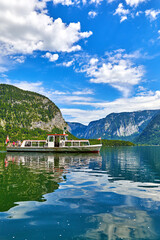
point(90, 57)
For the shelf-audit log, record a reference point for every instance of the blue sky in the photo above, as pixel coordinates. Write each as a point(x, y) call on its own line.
point(90, 58)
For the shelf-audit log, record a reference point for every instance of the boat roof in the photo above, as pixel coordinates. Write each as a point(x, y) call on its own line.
point(57, 134)
point(34, 140)
point(77, 140)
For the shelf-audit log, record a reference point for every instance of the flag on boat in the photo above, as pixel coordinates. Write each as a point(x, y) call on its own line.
point(99, 138)
point(7, 139)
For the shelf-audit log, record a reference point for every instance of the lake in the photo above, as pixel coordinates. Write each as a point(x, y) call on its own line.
point(111, 195)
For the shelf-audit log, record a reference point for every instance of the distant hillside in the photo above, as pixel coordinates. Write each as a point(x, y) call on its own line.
point(77, 129)
point(24, 112)
point(117, 126)
point(151, 134)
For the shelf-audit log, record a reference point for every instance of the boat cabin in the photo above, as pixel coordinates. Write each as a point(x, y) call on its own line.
point(55, 140)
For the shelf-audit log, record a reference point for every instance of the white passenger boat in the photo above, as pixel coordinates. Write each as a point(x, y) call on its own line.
point(54, 143)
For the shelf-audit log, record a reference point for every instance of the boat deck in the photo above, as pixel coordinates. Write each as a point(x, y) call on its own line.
point(89, 148)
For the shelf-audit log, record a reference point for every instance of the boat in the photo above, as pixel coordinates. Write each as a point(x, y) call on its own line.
point(54, 143)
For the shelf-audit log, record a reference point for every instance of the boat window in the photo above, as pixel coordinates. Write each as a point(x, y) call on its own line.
point(75, 143)
point(51, 139)
point(34, 144)
point(67, 144)
point(27, 144)
point(41, 144)
point(84, 143)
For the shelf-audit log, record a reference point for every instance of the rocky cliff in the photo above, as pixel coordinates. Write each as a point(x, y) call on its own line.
point(151, 134)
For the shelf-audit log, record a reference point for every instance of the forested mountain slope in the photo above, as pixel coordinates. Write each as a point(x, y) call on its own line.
point(24, 111)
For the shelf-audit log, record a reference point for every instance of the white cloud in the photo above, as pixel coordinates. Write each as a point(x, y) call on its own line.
point(77, 115)
point(3, 69)
point(93, 61)
point(77, 2)
point(57, 92)
point(92, 14)
point(123, 18)
point(150, 101)
point(152, 14)
point(18, 59)
point(4, 75)
point(142, 102)
point(51, 57)
point(83, 92)
point(23, 29)
point(122, 12)
point(135, 3)
point(67, 64)
point(30, 86)
point(118, 70)
point(69, 99)
point(97, 2)
point(122, 76)
point(85, 34)
point(72, 99)
point(4, 64)
point(138, 13)
point(64, 2)
point(134, 55)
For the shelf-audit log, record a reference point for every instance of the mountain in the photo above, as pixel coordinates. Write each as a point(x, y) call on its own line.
point(23, 111)
point(77, 129)
point(151, 134)
point(124, 126)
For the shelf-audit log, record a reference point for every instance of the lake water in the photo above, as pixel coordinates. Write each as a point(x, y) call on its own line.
point(114, 195)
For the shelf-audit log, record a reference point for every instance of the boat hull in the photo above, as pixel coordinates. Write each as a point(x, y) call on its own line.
point(90, 148)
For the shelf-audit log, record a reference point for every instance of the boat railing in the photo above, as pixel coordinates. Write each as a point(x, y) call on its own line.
point(34, 143)
point(44, 143)
point(78, 143)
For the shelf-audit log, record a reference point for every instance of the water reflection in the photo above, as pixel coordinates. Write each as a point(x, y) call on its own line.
point(138, 164)
point(81, 196)
point(54, 162)
point(27, 177)
point(123, 224)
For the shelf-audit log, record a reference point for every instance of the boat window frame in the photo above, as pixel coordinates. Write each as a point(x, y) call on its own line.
point(51, 137)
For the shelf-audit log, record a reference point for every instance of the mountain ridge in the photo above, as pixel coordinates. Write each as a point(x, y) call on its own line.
point(151, 134)
point(116, 126)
